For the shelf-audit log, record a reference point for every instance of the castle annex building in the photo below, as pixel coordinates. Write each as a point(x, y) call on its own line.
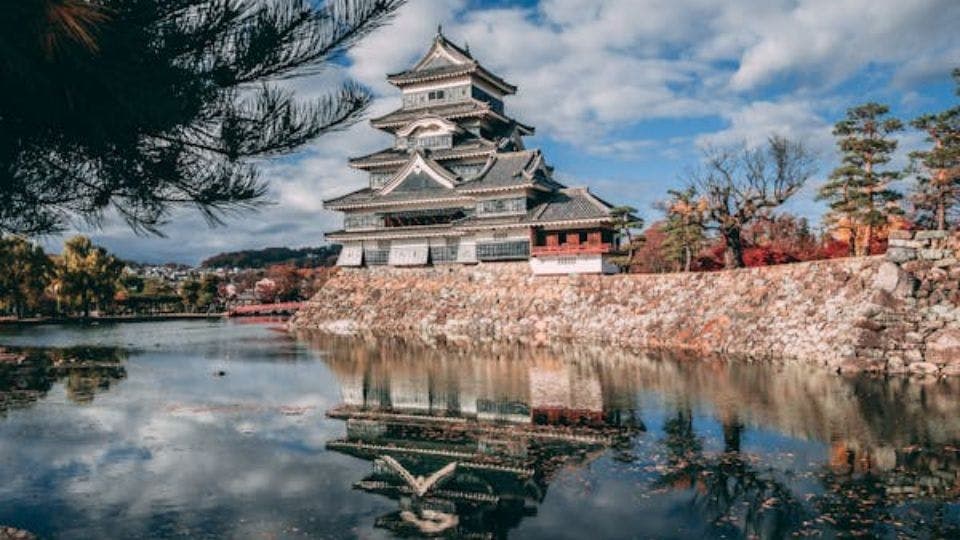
point(459, 186)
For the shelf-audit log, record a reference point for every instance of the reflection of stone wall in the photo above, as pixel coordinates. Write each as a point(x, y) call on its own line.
point(858, 411)
point(826, 312)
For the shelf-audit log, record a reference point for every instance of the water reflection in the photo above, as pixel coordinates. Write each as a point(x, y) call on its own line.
point(30, 373)
point(488, 429)
point(322, 437)
point(469, 447)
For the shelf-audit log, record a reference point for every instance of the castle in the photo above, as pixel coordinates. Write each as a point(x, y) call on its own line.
point(460, 187)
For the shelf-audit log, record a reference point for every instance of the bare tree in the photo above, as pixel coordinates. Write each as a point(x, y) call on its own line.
point(739, 185)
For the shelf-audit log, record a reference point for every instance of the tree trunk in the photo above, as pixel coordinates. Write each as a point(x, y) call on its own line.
point(732, 435)
point(734, 253)
point(941, 215)
point(687, 258)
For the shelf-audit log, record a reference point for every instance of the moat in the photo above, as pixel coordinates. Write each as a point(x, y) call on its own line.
point(200, 429)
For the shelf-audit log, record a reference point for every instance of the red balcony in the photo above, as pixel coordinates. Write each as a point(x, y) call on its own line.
point(573, 245)
point(572, 249)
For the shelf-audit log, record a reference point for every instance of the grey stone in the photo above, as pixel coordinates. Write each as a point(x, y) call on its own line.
point(900, 235)
point(887, 278)
point(943, 347)
point(901, 254)
point(930, 235)
point(912, 244)
point(933, 254)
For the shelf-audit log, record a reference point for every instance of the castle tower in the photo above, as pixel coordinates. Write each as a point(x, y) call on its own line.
point(458, 186)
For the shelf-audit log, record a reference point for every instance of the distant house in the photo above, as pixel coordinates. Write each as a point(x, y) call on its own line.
point(265, 290)
point(459, 186)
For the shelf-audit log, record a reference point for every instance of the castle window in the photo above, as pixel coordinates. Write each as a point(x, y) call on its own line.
point(467, 170)
point(353, 222)
point(453, 94)
point(432, 141)
point(502, 206)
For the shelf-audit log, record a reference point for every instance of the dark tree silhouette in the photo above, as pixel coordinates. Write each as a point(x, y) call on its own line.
point(147, 105)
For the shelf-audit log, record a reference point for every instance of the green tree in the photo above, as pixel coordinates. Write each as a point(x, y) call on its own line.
point(625, 221)
point(88, 275)
point(937, 191)
point(156, 287)
point(190, 294)
point(843, 206)
point(209, 290)
point(27, 271)
point(684, 227)
point(132, 283)
point(859, 189)
point(148, 105)
point(739, 185)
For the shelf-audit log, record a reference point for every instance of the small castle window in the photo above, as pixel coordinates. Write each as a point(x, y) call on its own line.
point(436, 95)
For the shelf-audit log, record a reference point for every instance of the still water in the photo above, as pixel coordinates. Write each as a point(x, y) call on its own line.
point(230, 430)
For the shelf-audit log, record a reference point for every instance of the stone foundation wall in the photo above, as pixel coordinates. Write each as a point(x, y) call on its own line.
point(913, 323)
point(890, 313)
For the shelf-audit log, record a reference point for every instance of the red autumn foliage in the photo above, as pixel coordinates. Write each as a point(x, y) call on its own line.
point(766, 256)
point(833, 249)
point(648, 257)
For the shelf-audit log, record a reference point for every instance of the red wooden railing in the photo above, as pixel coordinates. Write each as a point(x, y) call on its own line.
point(282, 308)
point(572, 249)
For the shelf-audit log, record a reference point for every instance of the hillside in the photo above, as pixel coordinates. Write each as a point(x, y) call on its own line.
point(260, 258)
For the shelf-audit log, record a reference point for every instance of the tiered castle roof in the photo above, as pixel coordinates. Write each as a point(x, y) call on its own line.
point(455, 145)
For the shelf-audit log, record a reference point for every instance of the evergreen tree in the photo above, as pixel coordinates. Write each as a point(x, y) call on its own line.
point(843, 206)
point(88, 275)
point(147, 105)
point(625, 221)
point(859, 190)
point(684, 228)
point(937, 192)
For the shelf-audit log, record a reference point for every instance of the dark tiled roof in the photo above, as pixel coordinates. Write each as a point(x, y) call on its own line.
point(367, 195)
point(511, 169)
point(504, 170)
point(430, 70)
point(569, 204)
point(432, 73)
point(392, 155)
point(449, 110)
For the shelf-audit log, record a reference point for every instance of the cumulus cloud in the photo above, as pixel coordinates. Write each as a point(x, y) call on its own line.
point(593, 75)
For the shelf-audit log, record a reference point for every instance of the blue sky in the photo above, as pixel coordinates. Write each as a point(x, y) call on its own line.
point(625, 95)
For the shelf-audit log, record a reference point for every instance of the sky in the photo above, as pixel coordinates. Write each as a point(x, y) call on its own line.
point(625, 95)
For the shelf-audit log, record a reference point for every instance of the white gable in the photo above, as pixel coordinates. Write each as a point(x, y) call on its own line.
point(440, 54)
point(421, 165)
point(430, 125)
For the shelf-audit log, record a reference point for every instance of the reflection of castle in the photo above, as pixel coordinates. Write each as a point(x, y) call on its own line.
point(509, 418)
point(466, 447)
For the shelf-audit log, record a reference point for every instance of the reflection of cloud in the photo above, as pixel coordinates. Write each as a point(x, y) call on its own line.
point(126, 463)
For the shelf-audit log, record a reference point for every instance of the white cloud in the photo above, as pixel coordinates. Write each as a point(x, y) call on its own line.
point(833, 39)
point(591, 72)
point(754, 122)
